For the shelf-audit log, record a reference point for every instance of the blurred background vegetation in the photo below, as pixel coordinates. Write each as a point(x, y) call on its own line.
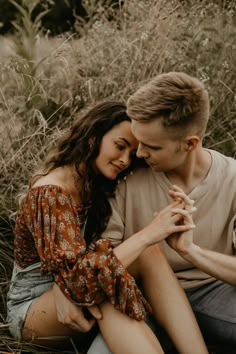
point(59, 58)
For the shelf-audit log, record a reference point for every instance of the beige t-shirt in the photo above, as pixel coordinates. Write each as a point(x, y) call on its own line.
point(144, 192)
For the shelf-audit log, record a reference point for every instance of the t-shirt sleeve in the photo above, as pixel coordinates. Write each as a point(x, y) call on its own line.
point(86, 278)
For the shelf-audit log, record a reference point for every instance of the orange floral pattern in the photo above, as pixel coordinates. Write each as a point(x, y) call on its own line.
point(48, 230)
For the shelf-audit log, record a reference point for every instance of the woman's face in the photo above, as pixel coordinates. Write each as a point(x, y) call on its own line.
point(116, 151)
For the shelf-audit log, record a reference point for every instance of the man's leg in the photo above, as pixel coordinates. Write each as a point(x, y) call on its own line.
point(214, 305)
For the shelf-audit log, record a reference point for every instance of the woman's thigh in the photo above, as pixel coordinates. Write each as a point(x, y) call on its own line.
point(126, 335)
point(31, 307)
point(26, 287)
point(41, 319)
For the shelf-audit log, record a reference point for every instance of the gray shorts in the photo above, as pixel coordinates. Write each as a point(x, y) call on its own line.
point(26, 286)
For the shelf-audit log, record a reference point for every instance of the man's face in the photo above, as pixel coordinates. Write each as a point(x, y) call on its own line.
point(160, 149)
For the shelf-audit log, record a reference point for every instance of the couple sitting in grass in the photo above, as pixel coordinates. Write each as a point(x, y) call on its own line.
point(128, 256)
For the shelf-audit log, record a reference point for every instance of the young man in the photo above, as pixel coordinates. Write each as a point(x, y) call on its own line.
point(169, 118)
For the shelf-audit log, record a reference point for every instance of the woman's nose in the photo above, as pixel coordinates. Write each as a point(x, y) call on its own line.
point(125, 158)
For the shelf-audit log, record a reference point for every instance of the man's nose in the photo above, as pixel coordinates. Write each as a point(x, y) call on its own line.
point(141, 151)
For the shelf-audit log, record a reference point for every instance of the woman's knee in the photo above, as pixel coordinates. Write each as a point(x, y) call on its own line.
point(146, 261)
point(152, 256)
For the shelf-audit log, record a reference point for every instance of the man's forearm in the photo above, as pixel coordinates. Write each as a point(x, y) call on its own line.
point(218, 265)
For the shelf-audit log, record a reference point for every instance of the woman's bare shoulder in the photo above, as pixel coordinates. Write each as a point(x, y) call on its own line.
point(55, 177)
point(45, 180)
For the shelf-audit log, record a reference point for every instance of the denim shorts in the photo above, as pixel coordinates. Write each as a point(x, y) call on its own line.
point(27, 285)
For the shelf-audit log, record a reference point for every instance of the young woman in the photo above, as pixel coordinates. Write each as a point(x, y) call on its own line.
point(57, 239)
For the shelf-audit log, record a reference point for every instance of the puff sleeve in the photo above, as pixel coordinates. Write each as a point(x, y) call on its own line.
point(85, 277)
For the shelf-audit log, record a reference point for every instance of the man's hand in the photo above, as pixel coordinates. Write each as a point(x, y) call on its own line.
point(182, 242)
point(73, 315)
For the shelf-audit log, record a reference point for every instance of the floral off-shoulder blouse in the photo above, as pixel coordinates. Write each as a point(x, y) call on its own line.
point(48, 230)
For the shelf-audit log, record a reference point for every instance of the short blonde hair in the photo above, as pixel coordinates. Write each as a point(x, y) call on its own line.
point(181, 101)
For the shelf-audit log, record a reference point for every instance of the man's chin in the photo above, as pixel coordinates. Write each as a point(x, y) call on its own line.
point(152, 166)
point(155, 168)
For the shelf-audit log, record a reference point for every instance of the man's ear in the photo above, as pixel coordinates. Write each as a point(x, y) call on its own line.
point(191, 142)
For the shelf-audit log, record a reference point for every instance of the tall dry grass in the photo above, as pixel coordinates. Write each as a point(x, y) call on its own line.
point(46, 82)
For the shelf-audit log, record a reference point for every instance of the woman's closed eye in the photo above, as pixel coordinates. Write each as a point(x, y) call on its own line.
point(120, 146)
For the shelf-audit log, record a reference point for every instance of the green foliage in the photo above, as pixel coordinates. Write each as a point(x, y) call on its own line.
point(207, 49)
point(28, 31)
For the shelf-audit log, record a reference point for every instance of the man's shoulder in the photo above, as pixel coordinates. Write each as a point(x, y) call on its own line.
point(223, 170)
point(225, 161)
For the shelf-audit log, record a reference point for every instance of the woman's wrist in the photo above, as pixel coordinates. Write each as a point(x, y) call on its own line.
point(143, 238)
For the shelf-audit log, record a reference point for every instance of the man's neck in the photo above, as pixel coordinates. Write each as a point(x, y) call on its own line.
point(192, 172)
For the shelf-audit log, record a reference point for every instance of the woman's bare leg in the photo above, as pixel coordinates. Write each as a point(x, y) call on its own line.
point(126, 335)
point(169, 302)
point(41, 319)
point(122, 334)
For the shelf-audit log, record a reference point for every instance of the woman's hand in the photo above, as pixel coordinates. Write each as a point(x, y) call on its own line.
point(168, 221)
point(73, 315)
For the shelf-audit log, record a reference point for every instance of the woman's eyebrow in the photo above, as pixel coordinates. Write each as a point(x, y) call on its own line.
point(126, 141)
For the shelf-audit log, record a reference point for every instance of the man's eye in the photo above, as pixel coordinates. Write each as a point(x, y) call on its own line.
point(155, 148)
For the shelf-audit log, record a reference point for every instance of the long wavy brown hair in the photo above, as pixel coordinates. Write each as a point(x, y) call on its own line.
point(81, 145)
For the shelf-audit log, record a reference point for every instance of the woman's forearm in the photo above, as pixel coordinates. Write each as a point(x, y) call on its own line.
point(129, 250)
